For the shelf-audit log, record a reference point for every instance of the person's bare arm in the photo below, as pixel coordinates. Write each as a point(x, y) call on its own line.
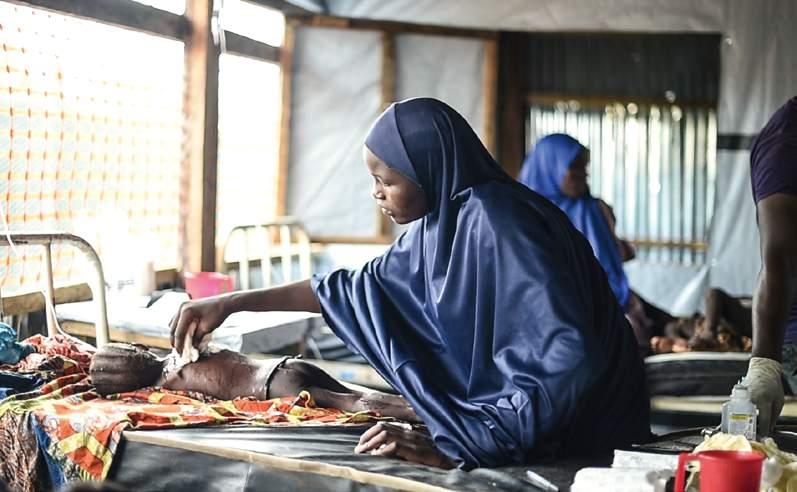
point(297, 296)
point(777, 281)
point(626, 250)
point(208, 314)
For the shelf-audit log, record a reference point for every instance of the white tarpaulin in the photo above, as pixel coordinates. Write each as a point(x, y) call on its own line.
point(444, 67)
point(759, 73)
point(336, 97)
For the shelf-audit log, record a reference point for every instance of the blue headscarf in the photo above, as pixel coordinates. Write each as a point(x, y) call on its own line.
point(543, 171)
point(489, 314)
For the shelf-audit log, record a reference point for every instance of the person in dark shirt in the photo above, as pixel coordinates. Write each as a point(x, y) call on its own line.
point(773, 172)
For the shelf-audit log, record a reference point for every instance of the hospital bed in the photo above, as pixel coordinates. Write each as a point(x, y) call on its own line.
point(250, 253)
point(688, 389)
point(131, 321)
point(46, 240)
point(283, 242)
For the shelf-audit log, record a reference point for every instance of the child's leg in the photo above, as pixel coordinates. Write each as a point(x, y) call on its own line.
point(297, 375)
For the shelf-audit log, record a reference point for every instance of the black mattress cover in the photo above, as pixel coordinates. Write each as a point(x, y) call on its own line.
point(695, 373)
point(298, 458)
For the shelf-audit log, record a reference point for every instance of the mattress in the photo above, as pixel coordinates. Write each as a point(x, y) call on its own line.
point(695, 373)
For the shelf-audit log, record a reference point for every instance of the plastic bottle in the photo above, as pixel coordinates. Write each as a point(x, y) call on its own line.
point(739, 413)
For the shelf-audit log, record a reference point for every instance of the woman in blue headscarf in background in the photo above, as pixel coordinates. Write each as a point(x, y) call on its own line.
point(489, 314)
point(557, 169)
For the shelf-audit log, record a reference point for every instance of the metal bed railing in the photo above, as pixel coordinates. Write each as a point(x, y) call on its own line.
point(46, 240)
point(284, 239)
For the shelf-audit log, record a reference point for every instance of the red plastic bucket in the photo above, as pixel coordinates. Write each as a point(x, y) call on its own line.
point(207, 284)
point(723, 471)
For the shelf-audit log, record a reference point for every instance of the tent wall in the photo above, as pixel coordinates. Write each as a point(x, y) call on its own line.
point(335, 99)
point(759, 73)
point(444, 67)
point(758, 69)
point(338, 92)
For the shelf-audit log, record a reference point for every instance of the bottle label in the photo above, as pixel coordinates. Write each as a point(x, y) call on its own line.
point(742, 424)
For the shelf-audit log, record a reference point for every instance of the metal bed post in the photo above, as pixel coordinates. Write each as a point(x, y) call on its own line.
point(49, 303)
point(46, 239)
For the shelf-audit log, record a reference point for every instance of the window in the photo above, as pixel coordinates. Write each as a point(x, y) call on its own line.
point(249, 122)
point(249, 103)
point(90, 140)
point(253, 21)
point(654, 163)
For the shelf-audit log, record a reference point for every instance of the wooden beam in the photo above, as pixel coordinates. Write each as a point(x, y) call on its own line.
point(244, 46)
point(286, 63)
point(123, 13)
point(198, 216)
point(656, 243)
point(33, 301)
point(394, 27)
point(388, 95)
point(388, 76)
point(490, 93)
point(511, 103)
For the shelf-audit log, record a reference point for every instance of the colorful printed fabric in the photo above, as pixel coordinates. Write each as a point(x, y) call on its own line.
point(79, 431)
point(61, 360)
point(60, 345)
point(20, 466)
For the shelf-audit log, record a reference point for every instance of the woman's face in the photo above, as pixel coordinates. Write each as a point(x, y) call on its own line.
point(574, 184)
point(398, 197)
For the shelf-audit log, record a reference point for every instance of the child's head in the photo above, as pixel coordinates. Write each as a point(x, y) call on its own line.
point(120, 367)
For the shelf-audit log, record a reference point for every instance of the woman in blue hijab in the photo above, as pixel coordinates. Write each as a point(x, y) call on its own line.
point(489, 314)
point(557, 169)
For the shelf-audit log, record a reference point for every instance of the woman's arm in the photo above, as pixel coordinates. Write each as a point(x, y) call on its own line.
point(205, 315)
point(626, 250)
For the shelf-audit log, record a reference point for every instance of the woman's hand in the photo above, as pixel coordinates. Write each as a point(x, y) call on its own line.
point(390, 439)
point(198, 319)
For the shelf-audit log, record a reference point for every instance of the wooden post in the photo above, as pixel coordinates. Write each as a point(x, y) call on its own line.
point(511, 102)
point(388, 78)
point(198, 193)
point(490, 93)
point(388, 95)
point(286, 73)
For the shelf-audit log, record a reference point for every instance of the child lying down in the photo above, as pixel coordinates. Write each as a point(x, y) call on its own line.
point(120, 367)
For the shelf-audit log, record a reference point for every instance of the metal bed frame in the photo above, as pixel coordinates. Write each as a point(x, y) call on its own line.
point(46, 240)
